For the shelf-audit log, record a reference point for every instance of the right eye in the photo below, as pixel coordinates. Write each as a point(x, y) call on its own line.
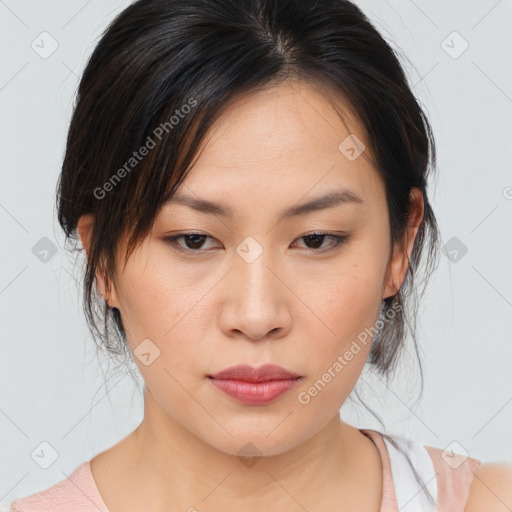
point(193, 241)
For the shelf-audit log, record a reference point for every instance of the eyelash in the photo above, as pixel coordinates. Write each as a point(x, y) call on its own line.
point(338, 240)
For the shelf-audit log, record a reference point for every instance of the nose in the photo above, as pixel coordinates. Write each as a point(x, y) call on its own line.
point(255, 302)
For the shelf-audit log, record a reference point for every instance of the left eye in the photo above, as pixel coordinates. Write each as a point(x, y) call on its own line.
point(194, 241)
point(318, 238)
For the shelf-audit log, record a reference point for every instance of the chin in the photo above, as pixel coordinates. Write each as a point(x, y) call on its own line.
point(254, 445)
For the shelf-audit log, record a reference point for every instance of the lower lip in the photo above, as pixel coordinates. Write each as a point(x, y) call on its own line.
point(254, 393)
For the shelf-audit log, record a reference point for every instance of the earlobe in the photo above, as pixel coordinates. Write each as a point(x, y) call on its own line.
point(109, 295)
point(399, 263)
point(396, 273)
point(84, 229)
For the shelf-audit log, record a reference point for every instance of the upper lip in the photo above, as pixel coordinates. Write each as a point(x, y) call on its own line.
point(261, 374)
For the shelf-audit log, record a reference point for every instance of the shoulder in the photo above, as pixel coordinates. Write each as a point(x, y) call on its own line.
point(491, 489)
point(76, 492)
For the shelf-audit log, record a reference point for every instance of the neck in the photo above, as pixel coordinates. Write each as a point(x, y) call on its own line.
point(177, 468)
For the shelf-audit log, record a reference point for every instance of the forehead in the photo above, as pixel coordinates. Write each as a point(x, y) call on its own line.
point(282, 144)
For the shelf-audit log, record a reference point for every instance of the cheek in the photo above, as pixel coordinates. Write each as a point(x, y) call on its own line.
point(151, 289)
point(352, 296)
point(348, 309)
point(162, 306)
point(348, 304)
point(141, 302)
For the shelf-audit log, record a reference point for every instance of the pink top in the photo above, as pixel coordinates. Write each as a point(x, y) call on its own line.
point(453, 477)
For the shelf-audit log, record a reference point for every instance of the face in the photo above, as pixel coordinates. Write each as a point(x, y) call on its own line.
point(209, 290)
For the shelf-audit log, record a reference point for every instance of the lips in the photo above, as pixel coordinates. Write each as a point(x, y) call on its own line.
point(255, 386)
point(267, 372)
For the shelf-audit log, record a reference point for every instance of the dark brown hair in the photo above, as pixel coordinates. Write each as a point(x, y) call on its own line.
point(171, 67)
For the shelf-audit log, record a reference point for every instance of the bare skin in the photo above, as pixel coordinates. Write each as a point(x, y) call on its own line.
point(294, 306)
point(344, 473)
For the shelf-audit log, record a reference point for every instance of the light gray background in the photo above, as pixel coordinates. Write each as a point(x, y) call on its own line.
point(52, 385)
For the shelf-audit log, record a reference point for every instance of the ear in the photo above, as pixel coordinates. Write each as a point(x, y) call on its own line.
point(398, 265)
point(84, 228)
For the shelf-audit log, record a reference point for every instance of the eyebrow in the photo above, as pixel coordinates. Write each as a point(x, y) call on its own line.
point(330, 200)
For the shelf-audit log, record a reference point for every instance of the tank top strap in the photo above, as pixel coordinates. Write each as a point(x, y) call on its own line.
point(409, 476)
point(389, 502)
point(420, 478)
point(455, 473)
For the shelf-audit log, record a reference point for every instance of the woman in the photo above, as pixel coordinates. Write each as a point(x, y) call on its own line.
point(248, 180)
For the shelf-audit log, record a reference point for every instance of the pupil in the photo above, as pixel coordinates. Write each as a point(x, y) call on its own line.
point(198, 242)
point(317, 238)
